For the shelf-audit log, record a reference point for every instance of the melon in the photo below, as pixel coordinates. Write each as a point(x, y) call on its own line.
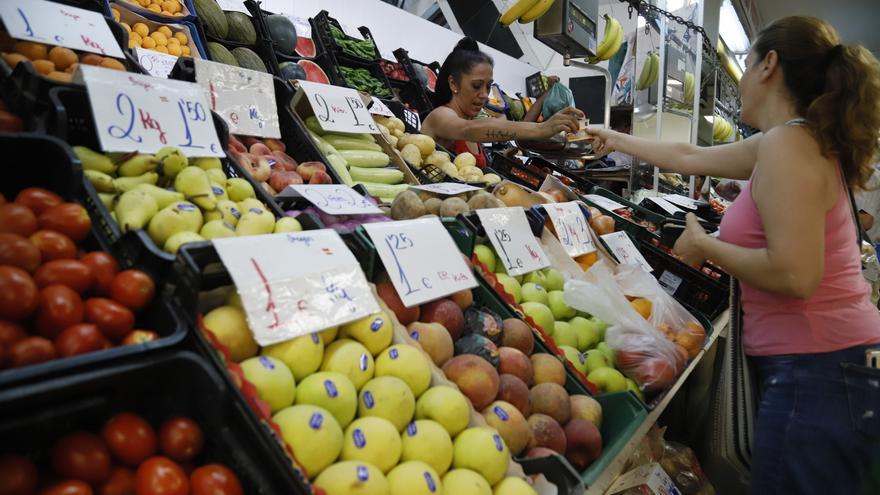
point(247, 59)
point(305, 47)
point(313, 72)
point(241, 28)
point(219, 53)
point(291, 70)
point(283, 33)
point(212, 16)
point(432, 79)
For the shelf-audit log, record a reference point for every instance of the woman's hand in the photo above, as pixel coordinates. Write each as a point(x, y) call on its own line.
point(690, 244)
point(565, 120)
point(602, 140)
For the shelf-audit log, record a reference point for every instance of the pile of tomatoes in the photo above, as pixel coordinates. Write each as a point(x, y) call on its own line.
point(56, 300)
point(128, 457)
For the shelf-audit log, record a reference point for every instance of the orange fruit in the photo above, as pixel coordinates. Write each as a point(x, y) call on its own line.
point(181, 38)
point(692, 343)
point(44, 66)
point(185, 51)
point(166, 31)
point(115, 14)
point(60, 76)
point(174, 50)
point(12, 59)
point(173, 41)
point(170, 6)
point(62, 57)
point(148, 42)
point(585, 261)
point(141, 29)
point(126, 26)
point(91, 59)
point(642, 307)
point(159, 37)
point(71, 68)
point(31, 50)
point(162, 49)
point(155, 7)
point(112, 63)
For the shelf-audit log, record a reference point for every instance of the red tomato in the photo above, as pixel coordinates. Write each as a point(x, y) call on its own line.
point(74, 487)
point(70, 219)
point(18, 293)
point(31, 350)
point(81, 455)
point(18, 475)
point(17, 250)
point(53, 245)
point(18, 219)
point(160, 476)
point(11, 333)
point(140, 337)
point(132, 288)
point(130, 438)
point(72, 273)
point(215, 479)
point(113, 319)
point(104, 267)
point(80, 339)
point(120, 482)
point(60, 307)
point(181, 438)
point(38, 199)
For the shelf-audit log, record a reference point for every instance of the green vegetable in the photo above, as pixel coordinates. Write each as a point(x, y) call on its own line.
point(371, 159)
point(314, 126)
point(351, 46)
point(362, 80)
point(346, 143)
point(384, 190)
point(380, 175)
point(340, 166)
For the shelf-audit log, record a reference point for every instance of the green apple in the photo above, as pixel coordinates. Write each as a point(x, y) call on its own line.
point(564, 334)
point(541, 314)
point(607, 380)
point(601, 326)
point(486, 256)
point(532, 292)
point(372, 439)
point(575, 357)
point(632, 387)
point(536, 277)
point(511, 286)
point(556, 301)
point(554, 279)
point(313, 434)
point(273, 380)
point(608, 352)
point(482, 450)
point(332, 391)
point(587, 332)
point(595, 359)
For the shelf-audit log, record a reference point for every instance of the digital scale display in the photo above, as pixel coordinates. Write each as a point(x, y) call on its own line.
point(578, 16)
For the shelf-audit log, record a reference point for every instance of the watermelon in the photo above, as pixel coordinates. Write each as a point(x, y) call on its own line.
point(212, 16)
point(241, 28)
point(247, 59)
point(305, 47)
point(313, 72)
point(283, 33)
point(291, 70)
point(432, 79)
point(219, 53)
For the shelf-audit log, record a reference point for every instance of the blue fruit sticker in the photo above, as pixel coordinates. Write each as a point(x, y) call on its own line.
point(501, 413)
point(255, 210)
point(216, 190)
point(359, 439)
point(432, 487)
point(315, 338)
point(235, 212)
point(377, 324)
point(330, 387)
point(316, 420)
point(414, 334)
point(498, 443)
point(411, 429)
point(267, 363)
point(368, 399)
point(363, 362)
point(581, 358)
point(393, 353)
point(363, 473)
point(185, 207)
point(538, 286)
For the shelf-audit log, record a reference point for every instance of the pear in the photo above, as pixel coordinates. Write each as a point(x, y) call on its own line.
point(216, 175)
point(250, 203)
point(194, 184)
point(176, 217)
point(92, 160)
point(226, 210)
point(134, 210)
point(163, 197)
point(102, 182)
point(219, 191)
point(239, 189)
point(287, 224)
point(217, 228)
point(171, 162)
point(255, 221)
point(174, 242)
point(125, 184)
point(107, 200)
point(138, 165)
point(207, 163)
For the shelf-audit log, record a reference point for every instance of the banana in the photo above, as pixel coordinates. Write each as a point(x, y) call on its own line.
point(689, 86)
point(515, 12)
point(650, 72)
point(655, 69)
point(536, 11)
point(612, 40)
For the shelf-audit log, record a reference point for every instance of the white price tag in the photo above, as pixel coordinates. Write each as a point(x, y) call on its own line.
point(157, 64)
point(339, 109)
point(510, 234)
point(303, 28)
point(351, 31)
point(380, 108)
point(57, 24)
point(604, 202)
point(571, 227)
point(683, 201)
point(234, 6)
point(421, 259)
point(284, 300)
point(244, 98)
point(141, 113)
point(666, 205)
point(447, 188)
point(624, 250)
point(670, 282)
point(335, 199)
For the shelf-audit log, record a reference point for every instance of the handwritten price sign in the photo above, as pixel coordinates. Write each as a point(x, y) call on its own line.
point(508, 230)
point(56, 24)
point(447, 188)
point(244, 98)
point(339, 109)
point(140, 113)
point(571, 227)
point(157, 64)
point(625, 251)
point(421, 259)
point(377, 107)
point(604, 202)
point(284, 299)
point(335, 199)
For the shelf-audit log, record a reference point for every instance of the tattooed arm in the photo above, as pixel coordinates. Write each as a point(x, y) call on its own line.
point(444, 123)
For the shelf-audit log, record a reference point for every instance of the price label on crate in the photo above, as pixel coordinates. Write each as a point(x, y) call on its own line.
point(141, 113)
point(380, 108)
point(509, 232)
point(622, 247)
point(57, 24)
point(338, 109)
point(234, 5)
point(421, 259)
point(335, 199)
point(604, 202)
point(156, 64)
point(244, 98)
point(571, 227)
point(297, 283)
point(683, 201)
point(666, 205)
point(447, 188)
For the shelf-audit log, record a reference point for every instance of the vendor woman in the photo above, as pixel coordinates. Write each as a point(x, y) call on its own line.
point(462, 89)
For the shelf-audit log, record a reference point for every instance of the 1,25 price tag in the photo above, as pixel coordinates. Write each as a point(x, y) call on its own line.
point(244, 98)
point(140, 113)
point(625, 251)
point(57, 24)
point(571, 227)
point(421, 259)
point(335, 199)
point(510, 234)
point(295, 284)
point(339, 109)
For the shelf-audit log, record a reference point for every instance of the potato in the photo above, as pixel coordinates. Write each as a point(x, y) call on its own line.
point(432, 206)
point(404, 140)
point(410, 153)
point(472, 177)
point(397, 132)
point(474, 171)
point(452, 207)
point(437, 157)
point(385, 131)
point(425, 143)
point(465, 160)
point(491, 179)
point(483, 200)
point(395, 123)
point(449, 169)
point(406, 206)
point(425, 195)
point(393, 140)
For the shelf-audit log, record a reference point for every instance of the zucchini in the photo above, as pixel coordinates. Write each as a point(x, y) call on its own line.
point(358, 158)
point(379, 175)
point(384, 190)
point(314, 126)
point(347, 143)
point(341, 168)
point(361, 137)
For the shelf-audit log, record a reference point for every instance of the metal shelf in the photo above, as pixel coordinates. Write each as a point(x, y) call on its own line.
point(615, 469)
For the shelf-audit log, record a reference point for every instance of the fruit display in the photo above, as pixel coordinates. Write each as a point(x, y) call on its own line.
point(612, 40)
point(268, 163)
point(169, 8)
point(283, 34)
point(362, 80)
point(363, 49)
point(650, 72)
point(525, 11)
point(303, 69)
point(54, 62)
point(415, 204)
point(173, 39)
point(394, 70)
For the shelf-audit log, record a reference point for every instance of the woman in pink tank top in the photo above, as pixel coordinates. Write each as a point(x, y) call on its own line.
point(790, 240)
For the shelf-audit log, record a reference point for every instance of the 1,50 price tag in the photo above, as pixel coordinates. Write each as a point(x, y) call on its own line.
point(296, 284)
point(335, 199)
point(625, 251)
point(421, 259)
point(244, 98)
point(339, 109)
point(57, 24)
point(508, 230)
point(140, 113)
point(571, 227)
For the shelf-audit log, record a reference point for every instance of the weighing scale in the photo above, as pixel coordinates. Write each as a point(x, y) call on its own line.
point(569, 28)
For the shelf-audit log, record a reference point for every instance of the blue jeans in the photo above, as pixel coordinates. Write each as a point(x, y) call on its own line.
point(818, 425)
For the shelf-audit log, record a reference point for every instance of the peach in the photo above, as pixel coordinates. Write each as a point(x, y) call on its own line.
point(434, 339)
point(475, 377)
point(464, 298)
point(510, 423)
point(551, 399)
point(389, 296)
point(515, 391)
point(514, 362)
point(583, 443)
point(548, 369)
point(518, 334)
point(546, 432)
point(446, 313)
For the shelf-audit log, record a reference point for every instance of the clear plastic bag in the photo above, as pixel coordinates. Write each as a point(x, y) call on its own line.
point(558, 98)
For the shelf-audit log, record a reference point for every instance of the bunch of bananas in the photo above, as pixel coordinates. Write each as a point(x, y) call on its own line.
point(722, 129)
point(611, 41)
point(689, 85)
point(650, 72)
point(525, 11)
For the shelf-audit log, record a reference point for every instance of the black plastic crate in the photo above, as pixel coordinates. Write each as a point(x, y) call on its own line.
point(263, 46)
point(332, 67)
point(565, 175)
point(157, 387)
point(644, 224)
point(414, 93)
point(516, 171)
point(321, 34)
